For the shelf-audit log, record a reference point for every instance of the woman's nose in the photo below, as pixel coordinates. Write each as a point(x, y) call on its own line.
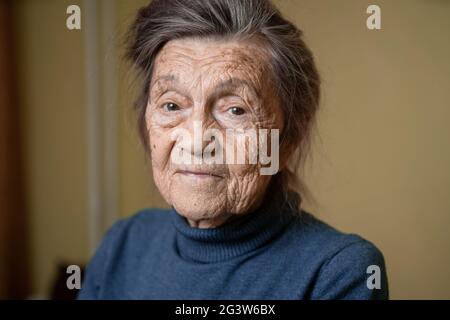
point(196, 125)
point(198, 144)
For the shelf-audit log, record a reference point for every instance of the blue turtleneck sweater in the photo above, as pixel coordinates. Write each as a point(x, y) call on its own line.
point(272, 253)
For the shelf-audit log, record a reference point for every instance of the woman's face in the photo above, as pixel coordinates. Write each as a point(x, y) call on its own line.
point(202, 86)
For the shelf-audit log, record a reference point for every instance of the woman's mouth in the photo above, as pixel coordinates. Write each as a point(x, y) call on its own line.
point(198, 174)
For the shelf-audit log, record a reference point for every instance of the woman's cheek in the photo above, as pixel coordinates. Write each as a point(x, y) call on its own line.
point(245, 185)
point(166, 119)
point(160, 144)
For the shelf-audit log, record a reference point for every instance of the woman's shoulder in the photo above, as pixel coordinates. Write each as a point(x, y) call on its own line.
point(326, 241)
point(149, 217)
point(309, 228)
point(126, 240)
point(128, 234)
point(145, 222)
point(134, 235)
point(338, 259)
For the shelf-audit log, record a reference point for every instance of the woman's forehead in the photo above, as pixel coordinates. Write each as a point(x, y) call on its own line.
point(216, 83)
point(212, 60)
point(201, 49)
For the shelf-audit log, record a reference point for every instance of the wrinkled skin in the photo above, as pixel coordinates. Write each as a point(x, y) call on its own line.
point(191, 82)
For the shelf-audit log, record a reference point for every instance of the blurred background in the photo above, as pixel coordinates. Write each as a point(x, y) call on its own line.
point(71, 163)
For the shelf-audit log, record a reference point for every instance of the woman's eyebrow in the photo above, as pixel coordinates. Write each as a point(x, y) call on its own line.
point(169, 79)
point(168, 82)
point(166, 78)
point(221, 89)
point(230, 86)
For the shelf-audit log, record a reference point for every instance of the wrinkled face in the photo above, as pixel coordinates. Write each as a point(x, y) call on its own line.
point(221, 86)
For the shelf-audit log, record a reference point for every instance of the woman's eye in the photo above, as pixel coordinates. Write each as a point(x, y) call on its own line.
point(236, 111)
point(171, 107)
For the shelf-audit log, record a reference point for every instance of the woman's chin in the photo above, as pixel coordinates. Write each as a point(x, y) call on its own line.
point(196, 211)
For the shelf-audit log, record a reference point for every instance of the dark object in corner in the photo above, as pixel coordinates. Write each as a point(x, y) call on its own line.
point(59, 290)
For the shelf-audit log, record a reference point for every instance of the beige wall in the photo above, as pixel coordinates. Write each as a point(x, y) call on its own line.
point(136, 189)
point(382, 165)
point(381, 161)
point(51, 97)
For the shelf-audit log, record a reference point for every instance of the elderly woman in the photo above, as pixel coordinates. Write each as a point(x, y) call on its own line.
point(227, 79)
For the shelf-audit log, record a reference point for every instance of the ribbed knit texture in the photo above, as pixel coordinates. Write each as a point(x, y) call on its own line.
point(243, 235)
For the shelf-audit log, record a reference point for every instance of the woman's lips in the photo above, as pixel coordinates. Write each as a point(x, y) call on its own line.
point(198, 174)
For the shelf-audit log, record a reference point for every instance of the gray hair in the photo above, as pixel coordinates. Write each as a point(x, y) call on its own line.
point(296, 80)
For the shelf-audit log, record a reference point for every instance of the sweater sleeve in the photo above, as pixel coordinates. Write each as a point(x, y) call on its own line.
point(356, 272)
point(97, 268)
